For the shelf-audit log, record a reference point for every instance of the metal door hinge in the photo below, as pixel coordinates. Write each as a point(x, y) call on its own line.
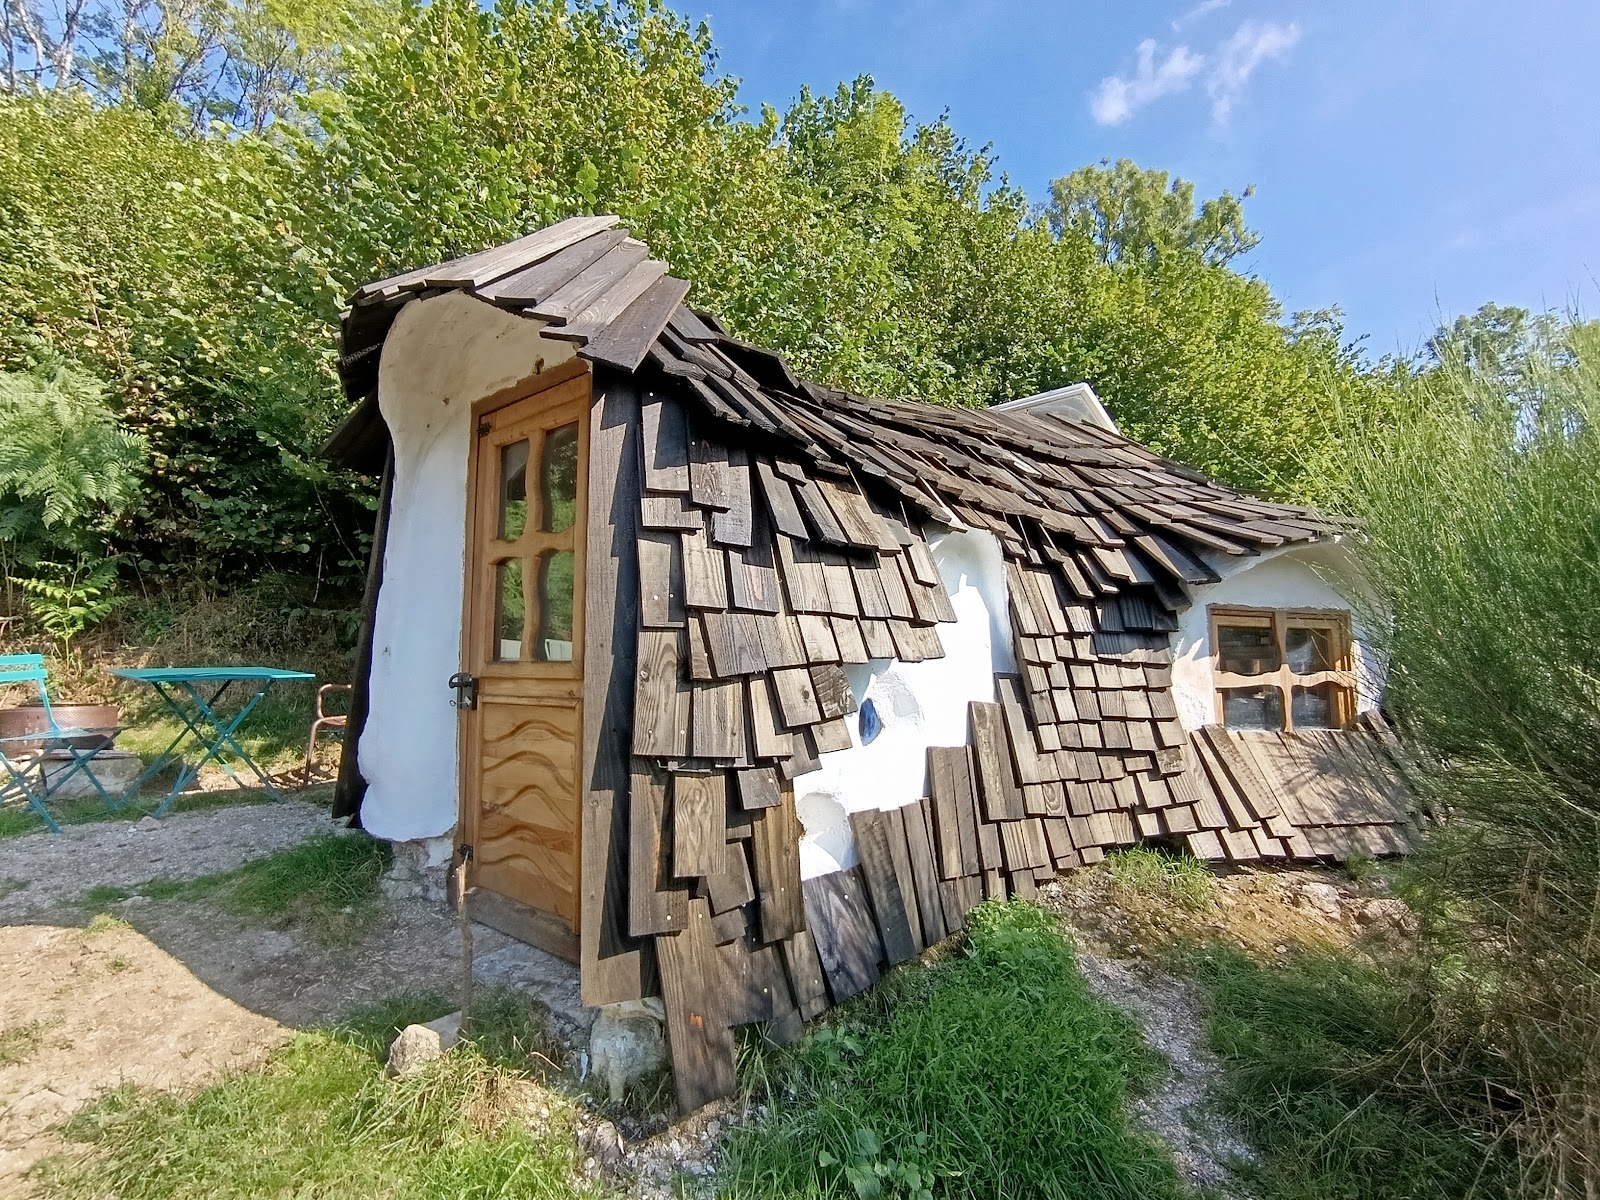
point(466, 687)
point(484, 428)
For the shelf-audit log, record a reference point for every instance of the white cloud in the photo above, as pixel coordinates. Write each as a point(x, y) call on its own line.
point(1203, 9)
point(1118, 98)
point(1226, 70)
point(1252, 44)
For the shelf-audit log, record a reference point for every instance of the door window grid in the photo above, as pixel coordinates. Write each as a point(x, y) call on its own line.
point(534, 586)
point(1282, 669)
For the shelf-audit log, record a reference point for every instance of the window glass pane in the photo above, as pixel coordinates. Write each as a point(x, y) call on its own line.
point(513, 489)
point(555, 607)
point(508, 610)
point(1247, 649)
point(1309, 649)
point(1316, 708)
point(1252, 708)
point(558, 478)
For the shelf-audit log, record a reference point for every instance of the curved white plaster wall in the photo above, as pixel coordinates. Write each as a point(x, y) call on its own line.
point(1322, 575)
point(441, 355)
point(919, 705)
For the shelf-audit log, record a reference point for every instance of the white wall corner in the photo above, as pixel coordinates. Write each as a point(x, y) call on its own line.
point(441, 356)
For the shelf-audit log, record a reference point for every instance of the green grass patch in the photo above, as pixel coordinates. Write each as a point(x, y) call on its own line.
point(1320, 1071)
point(320, 1120)
point(18, 1042)
point(1177, 878)
point(328, 883)
point(103, 895)
point(994, 1072)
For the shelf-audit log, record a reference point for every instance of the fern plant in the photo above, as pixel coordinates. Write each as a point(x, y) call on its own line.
point(66, 464)
point(68, 598)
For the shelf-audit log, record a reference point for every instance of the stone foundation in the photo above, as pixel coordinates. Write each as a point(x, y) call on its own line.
point(420, 870)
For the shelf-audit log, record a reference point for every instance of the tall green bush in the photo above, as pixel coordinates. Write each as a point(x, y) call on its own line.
point(200, 271)
point(1481, 509)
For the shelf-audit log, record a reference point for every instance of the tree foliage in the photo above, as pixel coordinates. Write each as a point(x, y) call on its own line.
point(200, 271)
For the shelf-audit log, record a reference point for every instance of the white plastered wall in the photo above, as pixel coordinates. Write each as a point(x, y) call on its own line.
point(442, 355)
point(918, 704)
point(1321, 575)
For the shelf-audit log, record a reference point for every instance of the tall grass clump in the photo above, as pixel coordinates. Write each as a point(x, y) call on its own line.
point(993, 1072)
point(1480, 510)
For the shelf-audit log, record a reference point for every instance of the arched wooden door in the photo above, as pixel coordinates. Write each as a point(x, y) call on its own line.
point(523, 641)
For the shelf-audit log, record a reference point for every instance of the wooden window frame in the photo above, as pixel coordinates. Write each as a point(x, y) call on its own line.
point(1342, 676)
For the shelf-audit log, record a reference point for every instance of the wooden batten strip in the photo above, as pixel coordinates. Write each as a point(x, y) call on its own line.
point(705, 572)
point(917, 822)
point(805, 974)
point(734, 524)
point(991, 756)
point(847, 942)
point(666, 445)
point(699, 832)
point(698, 1031)
point(776, 843)
point(656, 904)
point(661, 704)
point(627, 339)
point(660, 580)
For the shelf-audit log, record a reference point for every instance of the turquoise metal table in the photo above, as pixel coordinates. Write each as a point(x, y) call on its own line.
point(192, 694)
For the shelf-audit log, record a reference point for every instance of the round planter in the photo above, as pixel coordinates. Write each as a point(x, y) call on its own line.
point(30, 718)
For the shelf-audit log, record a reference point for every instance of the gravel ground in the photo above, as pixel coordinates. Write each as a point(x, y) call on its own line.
point(40, 871)
point(1179, 1111)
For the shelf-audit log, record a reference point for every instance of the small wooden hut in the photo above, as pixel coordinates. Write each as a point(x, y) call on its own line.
point(737, 688)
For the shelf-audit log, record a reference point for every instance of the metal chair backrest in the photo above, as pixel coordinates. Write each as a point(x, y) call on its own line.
point(28, 668)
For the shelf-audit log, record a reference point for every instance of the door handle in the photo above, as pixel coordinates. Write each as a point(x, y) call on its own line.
point(466, 688)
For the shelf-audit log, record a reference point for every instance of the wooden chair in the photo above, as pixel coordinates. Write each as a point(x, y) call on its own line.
point(334, 722)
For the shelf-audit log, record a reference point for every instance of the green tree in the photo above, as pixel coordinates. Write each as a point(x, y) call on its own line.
point(1133, 216)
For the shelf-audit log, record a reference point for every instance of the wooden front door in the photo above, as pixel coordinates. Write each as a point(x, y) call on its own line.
point(523, 640)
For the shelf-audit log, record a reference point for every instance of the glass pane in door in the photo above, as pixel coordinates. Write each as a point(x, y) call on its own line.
point(509, 610)
point(513, 489)
point(558, 479)
point(556, 574)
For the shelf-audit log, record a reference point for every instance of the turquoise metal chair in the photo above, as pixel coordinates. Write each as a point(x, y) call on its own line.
point(28, 758)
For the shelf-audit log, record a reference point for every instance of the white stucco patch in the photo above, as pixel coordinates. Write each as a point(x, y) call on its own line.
point(918, 705)
point(1316, 576)
point(441, 356)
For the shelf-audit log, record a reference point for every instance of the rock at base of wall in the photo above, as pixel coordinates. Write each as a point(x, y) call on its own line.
point(627, 1043)
point(419, 870)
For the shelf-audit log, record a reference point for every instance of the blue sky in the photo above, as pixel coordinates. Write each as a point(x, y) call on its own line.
point(1411, 160)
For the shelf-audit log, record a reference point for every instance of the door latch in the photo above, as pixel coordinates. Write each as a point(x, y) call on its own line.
point(466, 687)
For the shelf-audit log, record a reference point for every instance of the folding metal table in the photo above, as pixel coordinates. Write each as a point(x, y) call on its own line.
point(192, 694)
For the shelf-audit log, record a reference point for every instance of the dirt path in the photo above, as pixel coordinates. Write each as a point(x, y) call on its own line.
point(175, 993)
point(102, 1007)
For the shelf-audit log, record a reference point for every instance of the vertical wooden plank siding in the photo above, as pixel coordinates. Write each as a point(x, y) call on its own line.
point(612, 966)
